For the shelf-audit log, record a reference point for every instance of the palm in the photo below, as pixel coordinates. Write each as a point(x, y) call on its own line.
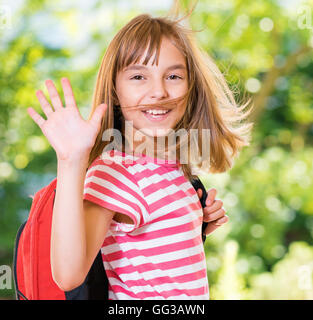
point(67, 132)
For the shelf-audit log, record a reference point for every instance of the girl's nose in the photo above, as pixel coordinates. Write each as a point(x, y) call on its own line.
point(158, 90)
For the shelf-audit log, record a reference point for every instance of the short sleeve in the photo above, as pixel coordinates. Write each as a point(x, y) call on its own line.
point(110, 185)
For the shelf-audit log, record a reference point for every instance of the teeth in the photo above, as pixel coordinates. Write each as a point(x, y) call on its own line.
point(157, 111)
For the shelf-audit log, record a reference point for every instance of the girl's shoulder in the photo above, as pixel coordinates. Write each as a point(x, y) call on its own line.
point(116, 163)
point(117, 157)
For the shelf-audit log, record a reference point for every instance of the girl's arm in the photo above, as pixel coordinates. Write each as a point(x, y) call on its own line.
point(78, 226)
point(77, 229)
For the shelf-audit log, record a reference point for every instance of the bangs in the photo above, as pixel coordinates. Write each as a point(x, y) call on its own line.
point(145, 35)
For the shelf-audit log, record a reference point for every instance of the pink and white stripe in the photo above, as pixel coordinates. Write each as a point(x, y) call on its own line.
point(161, 255)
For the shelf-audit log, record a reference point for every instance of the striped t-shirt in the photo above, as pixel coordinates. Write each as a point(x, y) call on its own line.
point(160, 255)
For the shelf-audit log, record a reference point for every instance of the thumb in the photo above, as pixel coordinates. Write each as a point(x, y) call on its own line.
point(98, 114)
point(211, 196)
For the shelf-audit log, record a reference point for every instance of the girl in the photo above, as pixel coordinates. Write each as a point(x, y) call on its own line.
point(139, 207)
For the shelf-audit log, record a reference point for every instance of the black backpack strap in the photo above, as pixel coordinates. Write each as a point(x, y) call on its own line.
point(18, 293)
point(97, 280)
point(196, 183)
point(95, 286)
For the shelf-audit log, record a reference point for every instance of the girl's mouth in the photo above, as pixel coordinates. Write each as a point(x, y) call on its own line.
point(156, 117)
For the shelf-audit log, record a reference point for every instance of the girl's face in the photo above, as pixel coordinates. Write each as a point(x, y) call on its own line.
point(151, 84)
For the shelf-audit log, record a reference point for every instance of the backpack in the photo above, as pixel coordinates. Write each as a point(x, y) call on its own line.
point(31, 261)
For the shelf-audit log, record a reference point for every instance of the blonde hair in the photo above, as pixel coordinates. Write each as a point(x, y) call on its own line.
point(210, 102)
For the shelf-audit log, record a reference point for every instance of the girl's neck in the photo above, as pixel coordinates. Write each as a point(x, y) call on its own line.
point(148, 146)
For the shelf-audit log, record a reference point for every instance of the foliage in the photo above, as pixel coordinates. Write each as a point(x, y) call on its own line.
point(264, 48)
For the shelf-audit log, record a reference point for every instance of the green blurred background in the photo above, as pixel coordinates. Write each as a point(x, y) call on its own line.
point(264, 48)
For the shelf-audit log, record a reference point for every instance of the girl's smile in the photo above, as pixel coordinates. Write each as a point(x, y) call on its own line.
point(156, 115)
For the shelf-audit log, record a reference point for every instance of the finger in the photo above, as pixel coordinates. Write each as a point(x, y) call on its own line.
point(217, 204)
point(214, 216)
point(98, 114)
point(53, 94)
point(221, 221)
point(36, 117)
point(45, 105)
point(211, 196)
point(68, 93)
point(215, 224)
point(199, 192)
point(210, 228)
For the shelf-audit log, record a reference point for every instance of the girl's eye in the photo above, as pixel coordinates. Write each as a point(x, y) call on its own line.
point(135, 77)
point(174, 75)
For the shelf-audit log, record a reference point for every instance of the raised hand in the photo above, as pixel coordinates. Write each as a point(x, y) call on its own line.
point(213, 213)
point(69, 134)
